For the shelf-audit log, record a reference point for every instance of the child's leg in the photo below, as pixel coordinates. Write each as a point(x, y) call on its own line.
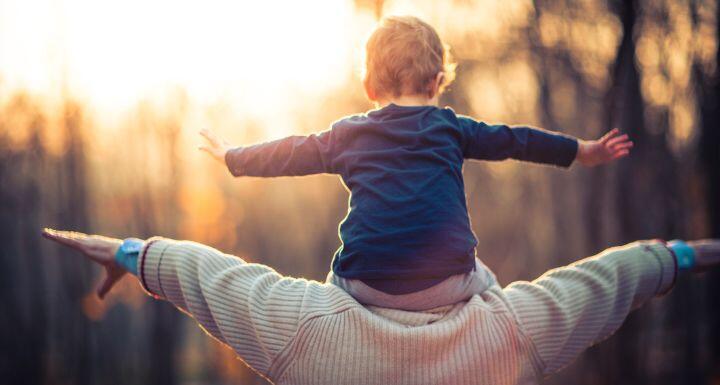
point(454, 289)
point(483, 277)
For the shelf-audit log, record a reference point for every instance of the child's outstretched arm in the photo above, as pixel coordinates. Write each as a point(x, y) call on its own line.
point(499, 142)
point(291, 156)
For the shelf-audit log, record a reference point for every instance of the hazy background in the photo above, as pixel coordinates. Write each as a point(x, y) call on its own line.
point(100, 103)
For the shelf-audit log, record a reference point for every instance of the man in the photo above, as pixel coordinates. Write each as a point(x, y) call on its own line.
point(295, 331)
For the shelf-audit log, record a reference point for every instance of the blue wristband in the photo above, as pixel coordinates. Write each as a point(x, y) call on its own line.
point(684, 254)
point(127, 254)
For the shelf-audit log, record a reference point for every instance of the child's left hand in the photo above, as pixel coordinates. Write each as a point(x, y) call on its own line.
point(604, 150)
point(216, 146)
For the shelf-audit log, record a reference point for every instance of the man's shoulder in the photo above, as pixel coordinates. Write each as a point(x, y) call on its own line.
point(322, 299)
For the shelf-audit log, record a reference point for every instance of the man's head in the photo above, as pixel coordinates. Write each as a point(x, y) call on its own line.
point(405, 56)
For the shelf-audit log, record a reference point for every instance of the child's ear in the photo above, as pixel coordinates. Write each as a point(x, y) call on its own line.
point(369, 91)
point(435, 84)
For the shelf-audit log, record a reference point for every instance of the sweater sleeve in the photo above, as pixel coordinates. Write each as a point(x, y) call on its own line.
point(571, 308)
point(247, 306)
point(291, 156)
point(499, 142)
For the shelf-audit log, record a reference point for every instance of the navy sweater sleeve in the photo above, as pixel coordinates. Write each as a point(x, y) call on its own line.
point(291, 156)
point(498, 142)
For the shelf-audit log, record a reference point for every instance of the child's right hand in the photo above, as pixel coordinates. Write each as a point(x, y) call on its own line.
point(610, 147)
point(216, 146)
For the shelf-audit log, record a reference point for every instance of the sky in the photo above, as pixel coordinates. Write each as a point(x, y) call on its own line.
point(266, 59)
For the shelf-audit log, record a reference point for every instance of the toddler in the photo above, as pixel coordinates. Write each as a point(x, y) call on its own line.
point(406, 240)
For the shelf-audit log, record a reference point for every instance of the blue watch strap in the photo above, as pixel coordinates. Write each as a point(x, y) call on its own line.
point(127, 254)
point(684, 254)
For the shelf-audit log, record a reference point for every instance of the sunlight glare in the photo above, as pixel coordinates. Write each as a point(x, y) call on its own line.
point(262, 56)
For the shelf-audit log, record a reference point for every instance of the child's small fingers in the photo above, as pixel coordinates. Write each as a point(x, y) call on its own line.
point(617, 137)
point(616, 140)
point(209, 151)
point(622, 146)
point(620, 154)
point(609, 135)
point(209, 135)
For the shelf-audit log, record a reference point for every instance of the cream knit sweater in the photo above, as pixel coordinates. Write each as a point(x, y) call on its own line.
point(295, 331)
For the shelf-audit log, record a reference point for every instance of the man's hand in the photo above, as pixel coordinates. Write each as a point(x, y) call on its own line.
point(96, 247)
point(707, 254)
point(604, 150)
point(216, 146)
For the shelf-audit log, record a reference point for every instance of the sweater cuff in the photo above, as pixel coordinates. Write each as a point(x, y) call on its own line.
point(149, 263)
point(567, 151)
point(667, 264)
point(231, 161)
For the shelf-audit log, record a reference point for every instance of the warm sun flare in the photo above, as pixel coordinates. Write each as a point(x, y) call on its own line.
point(263, 57)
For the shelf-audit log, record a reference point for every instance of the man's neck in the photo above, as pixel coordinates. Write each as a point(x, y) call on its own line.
point(408, 101)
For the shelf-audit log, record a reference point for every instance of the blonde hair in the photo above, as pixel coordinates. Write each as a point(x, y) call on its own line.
point(403, 56)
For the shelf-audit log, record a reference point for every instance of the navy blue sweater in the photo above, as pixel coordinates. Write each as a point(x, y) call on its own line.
point(407, 227)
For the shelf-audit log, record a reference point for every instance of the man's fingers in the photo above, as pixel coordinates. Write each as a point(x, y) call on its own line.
point(706, 247)
point(107, 284)
point(68, 238)
point(111, 277)
point(707, 253)
point(105, 287)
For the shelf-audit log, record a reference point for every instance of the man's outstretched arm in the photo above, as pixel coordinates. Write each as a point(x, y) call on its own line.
point(571, 308)
point(247, 306)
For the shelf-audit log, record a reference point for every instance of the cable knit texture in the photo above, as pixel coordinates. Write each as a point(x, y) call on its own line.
point(295, 331)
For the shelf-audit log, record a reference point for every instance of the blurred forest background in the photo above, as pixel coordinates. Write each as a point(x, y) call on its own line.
point(100, 104)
